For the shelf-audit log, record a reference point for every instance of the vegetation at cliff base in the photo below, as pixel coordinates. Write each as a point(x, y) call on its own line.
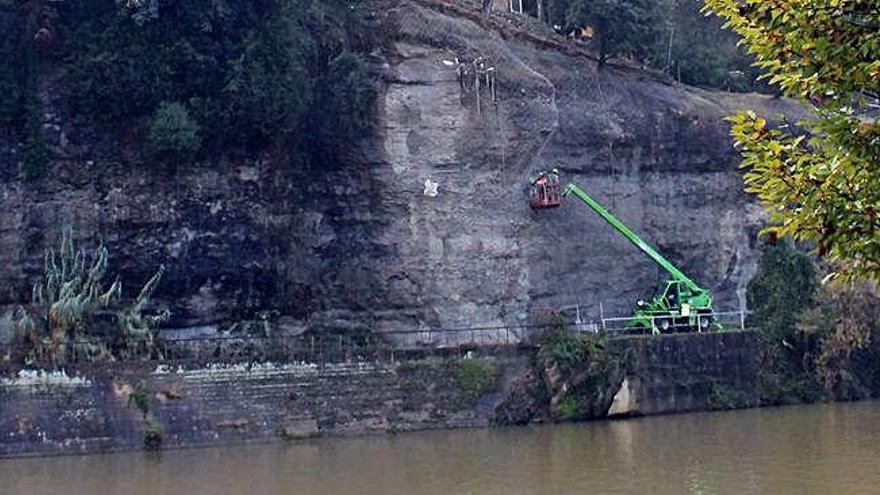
point(152, 436)
point(476, 377)
point(74, 315)
point(817, 179)
point(818, 341)
point(580, 372)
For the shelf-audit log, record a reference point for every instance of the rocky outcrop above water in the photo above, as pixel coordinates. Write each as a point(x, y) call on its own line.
point(358, 245)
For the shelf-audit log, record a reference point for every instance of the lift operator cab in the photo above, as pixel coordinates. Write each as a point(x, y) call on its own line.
point(681, 305)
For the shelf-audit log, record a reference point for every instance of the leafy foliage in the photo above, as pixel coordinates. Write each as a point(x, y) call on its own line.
point(140, 397)
point(343, 101)
point(621, 27)
point(247, 71)
point(816, 180)
point(847, 323)
point(152, 437)
point(723, 398)
point(11, 98)
point(571, 407)
point(693, 49)
point(669, 35)
point(268, 85)
point(57, 327)
point(476, 377)
point(36, 153)
point(785, 286)
point(581, 374)
point(173, 132)
point(817, 340)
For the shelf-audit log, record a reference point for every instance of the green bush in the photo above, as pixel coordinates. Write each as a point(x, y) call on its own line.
point(786, 285)
point(722, 397)
point(581, 374)
point(248, 71)
point(268, 90)
point(571, 407)
point(694, 48)
point(173, 132)
point(344, 100)
point(140, 397)
point(846, 321)
point(621, 27)
point(668, 35)
point(36, 153)
point(152, 436)
point(476, 377)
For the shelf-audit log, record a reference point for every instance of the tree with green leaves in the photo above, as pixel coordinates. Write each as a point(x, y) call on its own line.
point(620, 27)
point(173, 132)
point(818, 179)
point(785, 287)
point(786, 283)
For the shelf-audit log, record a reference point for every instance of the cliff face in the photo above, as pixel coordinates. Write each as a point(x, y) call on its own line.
point(360, 245)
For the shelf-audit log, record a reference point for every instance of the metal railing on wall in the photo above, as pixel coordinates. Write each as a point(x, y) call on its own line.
point(313, 349)
point(330, 348)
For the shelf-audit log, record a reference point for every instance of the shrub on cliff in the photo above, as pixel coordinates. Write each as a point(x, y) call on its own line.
point(152, 436)
point(173, 132)
point(476, 377)
point(846, 321)
point(10, 91)
point(247, 71)
point(581, 374)
point(818, 340)
point(343, 100)
point(785, 286)
point(57, 327)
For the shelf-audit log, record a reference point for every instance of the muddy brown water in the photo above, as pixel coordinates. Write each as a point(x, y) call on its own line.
point(833, 448)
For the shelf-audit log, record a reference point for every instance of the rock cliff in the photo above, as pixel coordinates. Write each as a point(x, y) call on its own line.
point(359, 245)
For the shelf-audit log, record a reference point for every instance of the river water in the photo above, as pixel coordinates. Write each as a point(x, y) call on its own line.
point(832, 448)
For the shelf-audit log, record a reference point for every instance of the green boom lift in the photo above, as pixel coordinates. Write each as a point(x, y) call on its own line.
point(681, 305)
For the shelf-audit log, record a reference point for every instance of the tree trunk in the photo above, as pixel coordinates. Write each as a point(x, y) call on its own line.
point(486, 10)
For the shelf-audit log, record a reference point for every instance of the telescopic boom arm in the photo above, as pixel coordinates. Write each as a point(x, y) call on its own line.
point(654, 255)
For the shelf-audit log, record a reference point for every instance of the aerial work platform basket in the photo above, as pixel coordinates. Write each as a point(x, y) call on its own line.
point(544, 191)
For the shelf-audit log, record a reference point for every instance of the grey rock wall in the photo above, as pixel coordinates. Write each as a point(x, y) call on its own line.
point(357, 245)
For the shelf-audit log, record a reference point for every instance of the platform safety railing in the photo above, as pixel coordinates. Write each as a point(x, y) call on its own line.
point(728, 321)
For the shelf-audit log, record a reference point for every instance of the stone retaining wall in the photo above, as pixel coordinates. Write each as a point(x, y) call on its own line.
point(110, 407)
